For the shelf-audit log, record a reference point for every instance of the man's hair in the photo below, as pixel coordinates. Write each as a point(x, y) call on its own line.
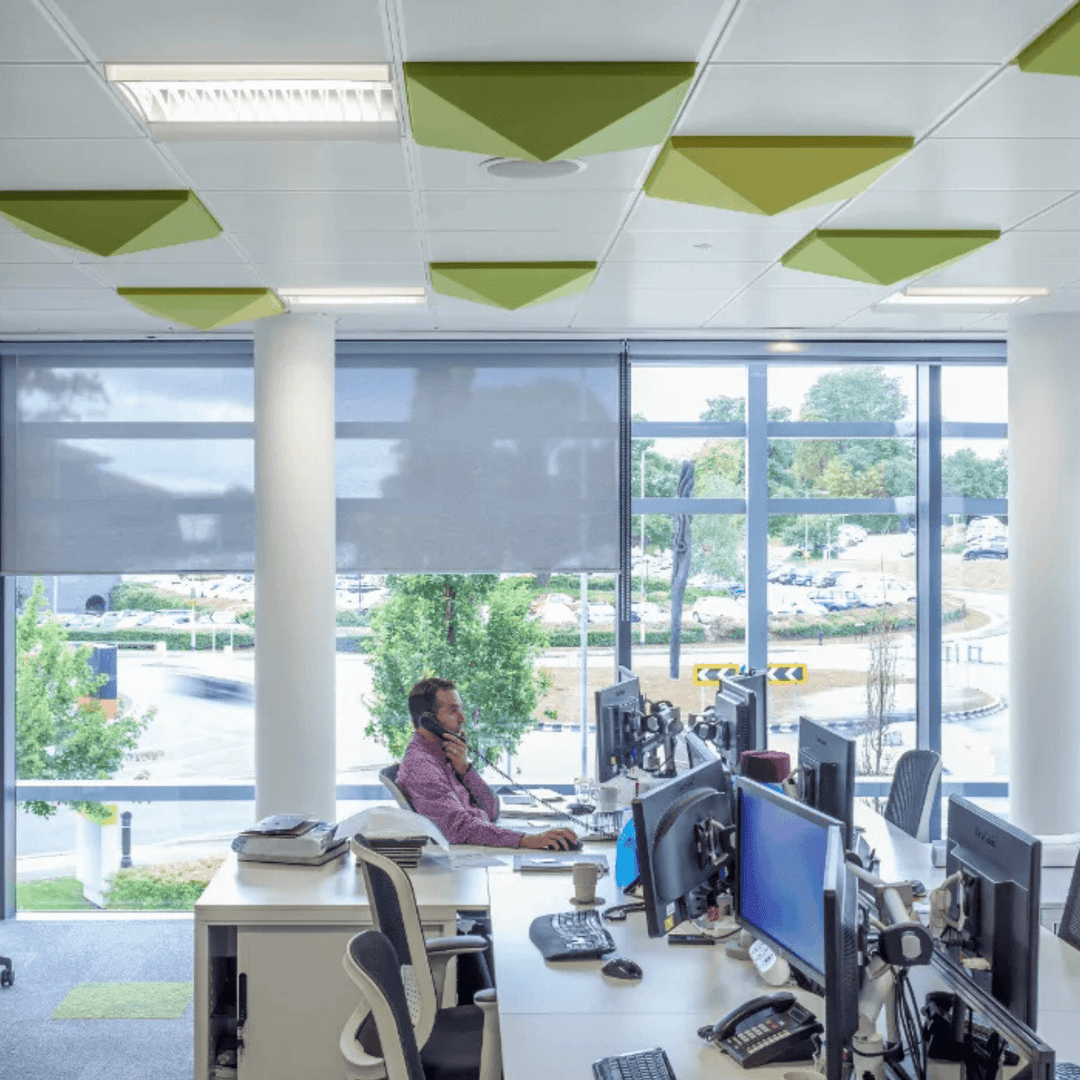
point(422, 696)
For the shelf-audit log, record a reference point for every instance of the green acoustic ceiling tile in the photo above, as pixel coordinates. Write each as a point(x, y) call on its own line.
point(110, 222)
point(883, 256)
point(540, 112)
point(205, 309)
point(511, 285)
point(770, 174)
point(1056, 51)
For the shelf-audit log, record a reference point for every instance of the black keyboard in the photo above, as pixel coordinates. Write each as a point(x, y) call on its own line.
point(571, 935)
point(1066, 1070)
point(644, 1065)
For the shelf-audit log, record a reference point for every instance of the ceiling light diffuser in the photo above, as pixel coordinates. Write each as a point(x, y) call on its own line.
point(215, 95)
point(963, 296)
point(351, 297)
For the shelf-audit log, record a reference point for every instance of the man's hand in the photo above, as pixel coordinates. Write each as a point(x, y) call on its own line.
point(457, 753)
point(552, 840)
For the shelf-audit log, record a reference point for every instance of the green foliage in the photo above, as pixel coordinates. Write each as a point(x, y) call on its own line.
point(138, 596)
point(246, 617)
point(854, 394)
point(61, 732)
point(51, 894)
point(964, 473)
point(436, 625)
point(353, 618)
point(606, 638)
point(175, 640)
point(168, 887)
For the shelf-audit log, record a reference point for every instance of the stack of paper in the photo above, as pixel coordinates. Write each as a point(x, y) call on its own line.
point(289, 838)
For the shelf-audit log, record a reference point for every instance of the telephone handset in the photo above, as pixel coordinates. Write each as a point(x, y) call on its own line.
point(429, 723)
point(774, 1027)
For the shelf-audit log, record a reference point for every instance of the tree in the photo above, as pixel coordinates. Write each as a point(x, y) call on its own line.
point(965, 473)
point(469, 628)
point(61, 731)
point(661, 477)
point(881, 677)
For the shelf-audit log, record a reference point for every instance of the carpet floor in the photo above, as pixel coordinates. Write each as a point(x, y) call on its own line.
point(51, 958)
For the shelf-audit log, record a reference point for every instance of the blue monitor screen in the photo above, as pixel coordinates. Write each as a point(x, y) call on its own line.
point(781, 876)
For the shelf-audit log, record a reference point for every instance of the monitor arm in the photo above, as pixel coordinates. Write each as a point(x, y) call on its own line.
point(654, 730)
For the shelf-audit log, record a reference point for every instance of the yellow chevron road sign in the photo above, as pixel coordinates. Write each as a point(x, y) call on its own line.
point(779, 674)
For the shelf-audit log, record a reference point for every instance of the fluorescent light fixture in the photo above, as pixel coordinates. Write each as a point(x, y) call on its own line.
point(351, 297)
point(964, 296)
point(784, 347)
point(258, 93)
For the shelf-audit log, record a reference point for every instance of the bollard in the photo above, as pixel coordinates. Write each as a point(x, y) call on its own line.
point(125, 840)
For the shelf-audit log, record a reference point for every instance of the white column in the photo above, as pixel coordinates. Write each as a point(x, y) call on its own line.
point(294, 566)
point(1044, 564)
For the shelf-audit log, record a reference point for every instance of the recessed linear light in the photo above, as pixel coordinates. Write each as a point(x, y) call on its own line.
point(963, 296)
point(175, 97)
point(330, 298)
point(784, 347)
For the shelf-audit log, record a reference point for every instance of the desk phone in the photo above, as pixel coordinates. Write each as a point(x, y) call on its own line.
point(774, 1027)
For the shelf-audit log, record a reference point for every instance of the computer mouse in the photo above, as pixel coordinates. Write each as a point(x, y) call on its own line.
point(575, 846)
point(618, 967)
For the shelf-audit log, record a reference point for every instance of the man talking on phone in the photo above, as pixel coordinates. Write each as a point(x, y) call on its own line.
point(441, 784)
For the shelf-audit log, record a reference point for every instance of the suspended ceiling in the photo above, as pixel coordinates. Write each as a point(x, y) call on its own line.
point(994, 149)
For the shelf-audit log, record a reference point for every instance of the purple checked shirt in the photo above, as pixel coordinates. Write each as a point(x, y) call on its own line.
point(437, 792)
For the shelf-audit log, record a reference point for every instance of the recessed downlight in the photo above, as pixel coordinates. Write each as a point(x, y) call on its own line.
point(513, 169)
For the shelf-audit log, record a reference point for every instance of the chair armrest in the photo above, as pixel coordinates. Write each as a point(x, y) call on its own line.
point(358, 1064)
point(485, 998)
point(453, 946)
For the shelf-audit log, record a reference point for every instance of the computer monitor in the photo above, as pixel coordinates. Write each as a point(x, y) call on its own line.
point(737, 720)
point(826, 778)
point(1001, 867)
point(698, 751)
point(616, 748)
point(843, 974)
point(684, 831)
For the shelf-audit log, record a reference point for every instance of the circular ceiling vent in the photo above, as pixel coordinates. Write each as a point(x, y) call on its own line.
point(512, 169)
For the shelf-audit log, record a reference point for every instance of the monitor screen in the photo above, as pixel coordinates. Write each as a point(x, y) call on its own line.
point(841, 945)
point(782, 847)
point(737, 720)
point(1001, 867)
point(678, 845)
point(616, 706)
point(827, 773)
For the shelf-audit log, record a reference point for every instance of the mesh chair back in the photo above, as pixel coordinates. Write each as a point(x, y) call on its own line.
point(388, 777)
point(914, 788)
point(396, 915)
point(1069, 930)
point(375, 969)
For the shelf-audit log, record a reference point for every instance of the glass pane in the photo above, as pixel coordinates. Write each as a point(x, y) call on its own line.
point(975, 394)
point(846, 609)
point(841, 468)
point(719, 467)
point(688, 393)
point(842, 393)
point(977, 468)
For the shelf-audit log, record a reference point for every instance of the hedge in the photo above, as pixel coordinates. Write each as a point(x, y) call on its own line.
point(175, 640)
point(606, 638)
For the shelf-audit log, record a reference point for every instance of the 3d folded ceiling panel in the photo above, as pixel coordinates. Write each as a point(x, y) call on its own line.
point(770, 174)
point(883, 256)
point(1056, 51)
point(540, 112)
point(511, 285)
point(205, 309)
point(110, 222)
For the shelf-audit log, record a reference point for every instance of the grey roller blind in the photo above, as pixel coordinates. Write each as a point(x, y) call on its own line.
point(127, 457)
point(477, 457)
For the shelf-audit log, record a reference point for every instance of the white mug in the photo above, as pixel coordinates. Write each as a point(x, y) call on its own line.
point(585, 875)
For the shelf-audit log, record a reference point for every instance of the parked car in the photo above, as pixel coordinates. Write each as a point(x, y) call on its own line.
point(837, 599)
point(996, 547)
point(647, 612)
point(601, 613)
point(784, 574)
point(709, 608)
point(826, 579)
point(803, 577)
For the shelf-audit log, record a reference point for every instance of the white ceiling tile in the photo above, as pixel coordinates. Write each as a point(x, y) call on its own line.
point(613, 276)
point(299, 211)
point(519, 211)
point(1018, 105)
point(882, 320)
point(986, 165)
point(783, 277)
point(177, 275)
point(1003, 210)
point(506, 246)
point(208, 252)
point(338, 165)
point(239, 31)
point(420, 317)
point(790, 307)
point(454, 314)
point(454, 170)
point(121, 320)
point(343, 275)
point(991, 324)
point(660, 309)
point(38, 276)
point(57, 299)
point(331, 245)
point(1064, 217)
point(1018, 258)
point(567, 30)
point(746, 246)
point(60, 101)
point(883, 31)
point(27, 37)
point(666, 215)
point(17, 247)
point(819, 99)
point(84, 164)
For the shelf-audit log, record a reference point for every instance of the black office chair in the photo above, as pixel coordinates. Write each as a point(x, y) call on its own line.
point(914, 788)
point(1069, 927)
point(7, 976)
point(388, 777)
point(455, 1039)
point(372, 963)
